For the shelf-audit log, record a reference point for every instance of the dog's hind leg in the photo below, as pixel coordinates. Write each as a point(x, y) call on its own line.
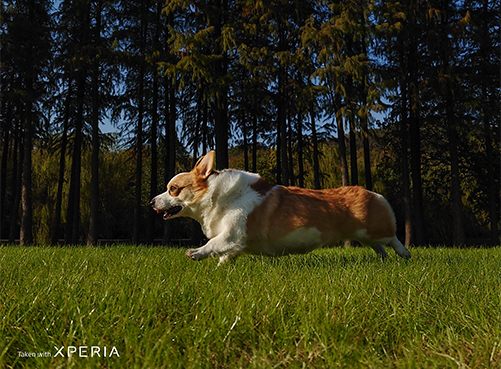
point(399, 248)
point(379, 250)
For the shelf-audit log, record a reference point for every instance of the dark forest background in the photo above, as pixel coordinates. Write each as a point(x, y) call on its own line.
point(400, 97)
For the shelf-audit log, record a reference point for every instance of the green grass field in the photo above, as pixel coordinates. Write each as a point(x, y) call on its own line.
point(331, 308)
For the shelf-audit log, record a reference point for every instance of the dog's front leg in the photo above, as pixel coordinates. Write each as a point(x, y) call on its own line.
point(222, 245)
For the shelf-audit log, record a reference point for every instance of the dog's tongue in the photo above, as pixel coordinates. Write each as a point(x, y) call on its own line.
point(159, 211)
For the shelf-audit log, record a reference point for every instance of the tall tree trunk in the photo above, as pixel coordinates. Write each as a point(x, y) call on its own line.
point(221, 128)
point(167, 231)
point(26, 233)
point(5, 137)
point(17, 174)
point(170, 146)
point(345, 180)
point(170, 127)
point(282, 108)
point(198, 126)
point(415, 145)
point(138, 210)
point(150, 226)
point(93, 235)
point(139, 160)
point(493, 199)
point(205, 127)
point(353, 152)
point(278, 154)
point(367, 155)
point(405, 165)
point(62, 165)
point(457, 204)
point(282, 126)
point(221, 100)
point(291, 158)
point(300, 163)
point(447, 70)
point(254, 135)
point(417, 192)
point(73, 211)
point(245, 144)
point(316, 166)
point(364, 118)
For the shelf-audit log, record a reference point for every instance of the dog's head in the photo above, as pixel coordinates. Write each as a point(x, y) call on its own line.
point(185, 190)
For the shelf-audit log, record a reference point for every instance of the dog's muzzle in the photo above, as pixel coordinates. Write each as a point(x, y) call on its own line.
point(169, 212)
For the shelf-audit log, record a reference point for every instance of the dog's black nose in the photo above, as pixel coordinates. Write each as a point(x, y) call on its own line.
point(152, 202)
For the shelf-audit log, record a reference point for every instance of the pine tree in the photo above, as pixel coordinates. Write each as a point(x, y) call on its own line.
point(93, 235)
point(204, 42)
point(482, 83)
point(447, 24)
point(27, 44)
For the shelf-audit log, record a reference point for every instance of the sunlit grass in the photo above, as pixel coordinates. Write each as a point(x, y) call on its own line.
point(331, 308)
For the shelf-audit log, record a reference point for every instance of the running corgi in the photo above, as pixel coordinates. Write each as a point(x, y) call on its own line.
point(241, 213)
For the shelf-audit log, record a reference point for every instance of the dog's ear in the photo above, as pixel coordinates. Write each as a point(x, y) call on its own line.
point(204, 165)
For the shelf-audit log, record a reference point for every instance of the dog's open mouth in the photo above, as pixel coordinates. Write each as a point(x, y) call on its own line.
point(170, 212)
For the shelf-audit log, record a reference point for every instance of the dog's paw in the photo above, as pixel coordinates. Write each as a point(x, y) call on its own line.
point(223, 259)
point(191, 254)
point(196, 254)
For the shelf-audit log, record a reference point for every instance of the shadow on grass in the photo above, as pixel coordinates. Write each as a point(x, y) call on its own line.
point(327, 257)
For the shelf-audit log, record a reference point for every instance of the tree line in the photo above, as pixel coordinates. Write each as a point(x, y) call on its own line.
point(179, 77)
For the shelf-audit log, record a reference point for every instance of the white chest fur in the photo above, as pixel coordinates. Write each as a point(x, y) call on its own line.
point(227, 203)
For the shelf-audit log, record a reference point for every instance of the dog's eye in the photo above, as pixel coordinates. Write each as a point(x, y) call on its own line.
point(173, 188)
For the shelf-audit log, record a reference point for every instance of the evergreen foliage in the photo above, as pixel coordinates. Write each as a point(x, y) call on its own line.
point(402, 98)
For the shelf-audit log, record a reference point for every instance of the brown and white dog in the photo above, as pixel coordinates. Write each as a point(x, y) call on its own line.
point(241, 213)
